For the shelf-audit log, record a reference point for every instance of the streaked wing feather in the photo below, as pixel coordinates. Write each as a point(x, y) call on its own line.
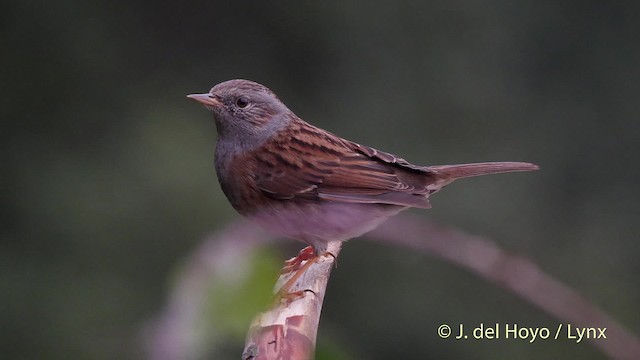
point(387, 157)
point(378, 197)
point(356, 171)
point(319, 165)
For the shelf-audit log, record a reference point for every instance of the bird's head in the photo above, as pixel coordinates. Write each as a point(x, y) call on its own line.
point(246, 113)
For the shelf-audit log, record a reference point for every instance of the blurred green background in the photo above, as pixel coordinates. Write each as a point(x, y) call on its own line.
point(108, 184)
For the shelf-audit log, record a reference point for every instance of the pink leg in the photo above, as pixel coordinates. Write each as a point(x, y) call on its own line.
point(294, 263)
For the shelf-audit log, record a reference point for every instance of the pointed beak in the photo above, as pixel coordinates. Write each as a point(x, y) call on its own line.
point(206, 99)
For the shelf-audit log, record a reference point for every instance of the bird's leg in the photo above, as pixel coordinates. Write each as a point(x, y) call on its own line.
point(299, 271)
point(294, 263)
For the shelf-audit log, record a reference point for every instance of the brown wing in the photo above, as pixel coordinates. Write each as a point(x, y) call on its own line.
point(309, 163)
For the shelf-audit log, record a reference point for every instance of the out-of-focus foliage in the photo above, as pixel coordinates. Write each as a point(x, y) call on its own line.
point(107, 180)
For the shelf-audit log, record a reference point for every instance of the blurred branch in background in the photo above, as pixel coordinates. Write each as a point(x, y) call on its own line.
point(225, 256)
point(172, 334)
point(514, 273)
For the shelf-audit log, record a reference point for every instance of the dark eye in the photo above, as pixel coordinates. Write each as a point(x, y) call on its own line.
point(242, 102)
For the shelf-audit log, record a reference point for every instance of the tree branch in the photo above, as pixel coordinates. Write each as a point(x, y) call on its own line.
point(288, 330)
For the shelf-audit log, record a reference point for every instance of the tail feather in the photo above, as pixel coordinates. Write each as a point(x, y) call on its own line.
point(452, 172)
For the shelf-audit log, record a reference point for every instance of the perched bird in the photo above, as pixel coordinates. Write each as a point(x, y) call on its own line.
point(306, 183)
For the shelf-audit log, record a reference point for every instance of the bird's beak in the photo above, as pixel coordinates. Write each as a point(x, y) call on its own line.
point(206, 99)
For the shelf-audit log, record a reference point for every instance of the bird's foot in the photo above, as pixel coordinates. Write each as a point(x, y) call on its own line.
point(295, 263)
point(309, 256)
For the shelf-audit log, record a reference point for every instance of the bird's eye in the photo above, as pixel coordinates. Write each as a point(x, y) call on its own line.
point(242, 102)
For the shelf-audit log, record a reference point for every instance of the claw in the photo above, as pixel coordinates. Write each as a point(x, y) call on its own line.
point(295, 263)
point(307, 255)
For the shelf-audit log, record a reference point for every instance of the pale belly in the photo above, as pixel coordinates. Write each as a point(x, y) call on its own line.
point(320, 223)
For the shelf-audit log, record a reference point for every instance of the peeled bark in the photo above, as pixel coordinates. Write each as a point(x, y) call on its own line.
point(288, 329)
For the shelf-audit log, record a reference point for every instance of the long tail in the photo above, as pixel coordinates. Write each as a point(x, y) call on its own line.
point(453, 172)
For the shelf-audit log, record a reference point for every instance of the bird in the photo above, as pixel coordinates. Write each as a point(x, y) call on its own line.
point(302, 182)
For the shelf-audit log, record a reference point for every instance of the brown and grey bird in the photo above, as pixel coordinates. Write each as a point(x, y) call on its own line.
point(305, 183)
